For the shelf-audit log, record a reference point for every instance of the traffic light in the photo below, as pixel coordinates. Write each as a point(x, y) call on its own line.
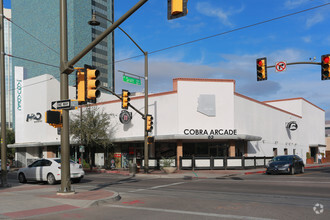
point(80, 82)
point(149, 123)
point(54, 118)
point(325, 64)
point(176, 8)
point(125, 99)
point(261, 69)
point(92, 84)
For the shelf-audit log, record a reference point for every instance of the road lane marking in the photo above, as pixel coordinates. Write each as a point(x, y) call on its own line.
point(156, 187)
point(188, 212)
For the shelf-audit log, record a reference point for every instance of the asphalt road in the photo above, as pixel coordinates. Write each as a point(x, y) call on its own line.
point(259, 196)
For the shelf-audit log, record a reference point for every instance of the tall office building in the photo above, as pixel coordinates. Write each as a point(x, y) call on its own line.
point(36, 37)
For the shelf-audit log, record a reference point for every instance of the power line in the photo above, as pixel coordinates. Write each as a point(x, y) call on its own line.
point(31, 35)
point(226, 32)
point(33, 61)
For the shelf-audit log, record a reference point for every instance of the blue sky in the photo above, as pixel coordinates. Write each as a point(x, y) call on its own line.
point(229, 56)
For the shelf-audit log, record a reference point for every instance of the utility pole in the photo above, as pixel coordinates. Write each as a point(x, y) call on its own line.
point(3, 102)
point(66, 67)
point(64, 93)
point(146, 147)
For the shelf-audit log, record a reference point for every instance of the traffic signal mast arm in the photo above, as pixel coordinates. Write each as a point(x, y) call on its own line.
point(130, 105)
point(294, 63)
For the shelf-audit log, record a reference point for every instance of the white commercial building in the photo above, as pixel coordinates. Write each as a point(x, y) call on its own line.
point(200, 118)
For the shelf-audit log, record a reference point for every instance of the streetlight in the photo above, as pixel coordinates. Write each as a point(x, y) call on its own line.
point(94, 22)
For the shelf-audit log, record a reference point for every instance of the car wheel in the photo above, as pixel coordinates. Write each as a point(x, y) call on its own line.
point(21, 178)
point(302, 169)
point(51, 179)
point(292, 171)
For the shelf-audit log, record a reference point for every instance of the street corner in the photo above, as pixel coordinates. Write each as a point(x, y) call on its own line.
point(92, 197)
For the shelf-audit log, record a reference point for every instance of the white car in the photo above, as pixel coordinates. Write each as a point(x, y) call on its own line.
point(49, 170)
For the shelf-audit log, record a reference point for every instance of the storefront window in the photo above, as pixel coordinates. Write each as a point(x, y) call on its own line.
point(165, 150)
point(188, 149)
point(202, 149)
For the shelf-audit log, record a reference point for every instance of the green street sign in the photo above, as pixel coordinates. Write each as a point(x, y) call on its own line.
point(131, 80)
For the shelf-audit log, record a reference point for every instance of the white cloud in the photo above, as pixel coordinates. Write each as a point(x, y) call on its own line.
point(317, 18)
point(307, 39)
point(295, 3)
point(207, 9)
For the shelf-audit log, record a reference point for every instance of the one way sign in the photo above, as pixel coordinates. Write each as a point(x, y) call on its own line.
point(62, 104)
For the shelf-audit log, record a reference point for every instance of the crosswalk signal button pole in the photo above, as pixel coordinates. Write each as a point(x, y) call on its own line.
point(325, 67)
point(261, 69)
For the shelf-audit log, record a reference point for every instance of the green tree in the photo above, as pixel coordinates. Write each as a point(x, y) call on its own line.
point(91, 128)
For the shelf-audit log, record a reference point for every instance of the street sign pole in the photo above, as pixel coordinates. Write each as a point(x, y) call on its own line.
point(65, 144)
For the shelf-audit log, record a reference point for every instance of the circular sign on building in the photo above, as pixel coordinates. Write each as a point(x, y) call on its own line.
point(280, 66)
point(125, 117)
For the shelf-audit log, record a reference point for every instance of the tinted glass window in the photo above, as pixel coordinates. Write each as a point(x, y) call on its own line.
point(46, 163)
point(283, 158)
point(37, 163)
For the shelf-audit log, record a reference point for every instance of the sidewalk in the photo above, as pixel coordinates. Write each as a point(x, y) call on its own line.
point(23, 201)
point(190, 174)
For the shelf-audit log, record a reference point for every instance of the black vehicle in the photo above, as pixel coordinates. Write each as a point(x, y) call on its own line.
point(286, 164)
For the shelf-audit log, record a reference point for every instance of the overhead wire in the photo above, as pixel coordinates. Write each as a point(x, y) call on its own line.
point(174, 46)
point(226, 32)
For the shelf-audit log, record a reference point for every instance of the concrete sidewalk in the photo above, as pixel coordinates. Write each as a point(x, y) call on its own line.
point(29, 200)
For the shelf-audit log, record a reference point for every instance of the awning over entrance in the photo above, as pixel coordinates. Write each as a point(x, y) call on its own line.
point(245, 137)
point(317, 145)
point(34, 144)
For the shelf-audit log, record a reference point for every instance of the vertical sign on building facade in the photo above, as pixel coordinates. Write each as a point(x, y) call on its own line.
point(19, 103)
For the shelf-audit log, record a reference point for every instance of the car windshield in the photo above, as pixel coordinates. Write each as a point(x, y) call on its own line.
point(283, 158)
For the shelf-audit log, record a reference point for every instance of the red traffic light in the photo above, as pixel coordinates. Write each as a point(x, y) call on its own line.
point(326, 59)
point(260, 62)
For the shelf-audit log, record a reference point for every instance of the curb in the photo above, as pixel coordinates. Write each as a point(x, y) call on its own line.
point(100, 202)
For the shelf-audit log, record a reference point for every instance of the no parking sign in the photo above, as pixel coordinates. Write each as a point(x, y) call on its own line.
point(280, 66)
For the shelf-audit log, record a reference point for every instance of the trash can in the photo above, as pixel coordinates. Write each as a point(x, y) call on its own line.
point(132, 168)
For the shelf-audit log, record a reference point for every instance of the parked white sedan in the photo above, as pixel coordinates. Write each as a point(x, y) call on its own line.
point(49, 170)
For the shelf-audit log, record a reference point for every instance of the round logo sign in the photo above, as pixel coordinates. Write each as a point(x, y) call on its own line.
point(125, 117)
point(292, 126)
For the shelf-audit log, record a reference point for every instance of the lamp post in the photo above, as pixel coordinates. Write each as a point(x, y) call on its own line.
point(94, 22)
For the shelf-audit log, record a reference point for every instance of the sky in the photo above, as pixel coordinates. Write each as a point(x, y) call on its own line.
point(242, 30)
point(232, 55)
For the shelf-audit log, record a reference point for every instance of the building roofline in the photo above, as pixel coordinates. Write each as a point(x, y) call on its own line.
point(175, 81)
point(280, 100)
point(263, 103)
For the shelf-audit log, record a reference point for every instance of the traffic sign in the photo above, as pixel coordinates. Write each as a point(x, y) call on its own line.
point(131, 80)
point(62, 104)
point(280, 66)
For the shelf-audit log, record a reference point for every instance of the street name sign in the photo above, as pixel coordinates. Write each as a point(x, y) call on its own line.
point(131, 80)
point(62, 104)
